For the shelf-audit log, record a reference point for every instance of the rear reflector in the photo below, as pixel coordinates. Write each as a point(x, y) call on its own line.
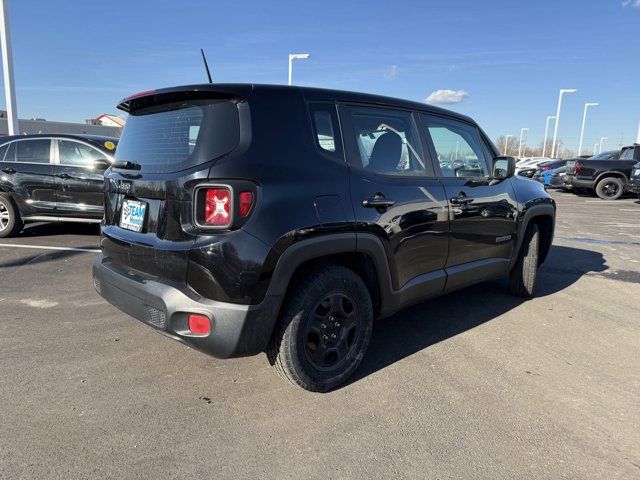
point(199, 324)
point(246, 201)
point(217, 207)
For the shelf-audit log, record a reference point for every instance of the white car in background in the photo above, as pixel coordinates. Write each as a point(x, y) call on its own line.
point(530, 162)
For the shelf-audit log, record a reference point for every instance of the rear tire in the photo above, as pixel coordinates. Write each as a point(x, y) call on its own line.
point(522, 280)
point(610, 188)
point(323, 330)
point(10, 221)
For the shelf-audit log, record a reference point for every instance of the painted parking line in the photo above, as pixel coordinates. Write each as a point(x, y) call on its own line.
point(629, 209)
point(602, 201)
point(46, 247)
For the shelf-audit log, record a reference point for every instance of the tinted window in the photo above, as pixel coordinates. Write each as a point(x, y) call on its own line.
point(457, 146)
point(76, 153)
point(175, 136)
point(605, 156)
point(386, 142)
point(33, 151)
point(325, 127)
point(627, 154)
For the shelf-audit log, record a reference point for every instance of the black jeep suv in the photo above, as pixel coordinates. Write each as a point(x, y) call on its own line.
point(52, 177)
point(242, 219)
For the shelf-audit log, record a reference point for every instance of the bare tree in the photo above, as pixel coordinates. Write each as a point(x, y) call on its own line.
point(533, 151)
point(511, 147)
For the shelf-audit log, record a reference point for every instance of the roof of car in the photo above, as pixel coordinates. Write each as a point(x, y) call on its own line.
point(245, 90)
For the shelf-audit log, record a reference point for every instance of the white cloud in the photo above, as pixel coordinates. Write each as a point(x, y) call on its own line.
point(391, 73)
point(446, 97)
point(633, 3)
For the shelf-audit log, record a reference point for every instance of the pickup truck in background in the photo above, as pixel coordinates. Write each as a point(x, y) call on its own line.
point(608, 177)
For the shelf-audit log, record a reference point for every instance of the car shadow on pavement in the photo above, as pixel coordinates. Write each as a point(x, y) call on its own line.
point(434, 321)
point(46, 256)
point(61, 228)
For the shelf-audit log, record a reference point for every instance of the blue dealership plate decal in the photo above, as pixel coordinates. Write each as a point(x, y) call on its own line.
point(132, 215)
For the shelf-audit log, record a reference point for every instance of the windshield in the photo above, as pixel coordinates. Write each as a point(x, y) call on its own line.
point(175, 136)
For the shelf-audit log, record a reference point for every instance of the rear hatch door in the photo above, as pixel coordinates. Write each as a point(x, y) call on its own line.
point(169, 142)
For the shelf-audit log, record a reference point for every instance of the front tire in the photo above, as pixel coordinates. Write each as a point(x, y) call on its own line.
point(323, 330)
point(610, 188)
point(522, 280)
point(10, 221)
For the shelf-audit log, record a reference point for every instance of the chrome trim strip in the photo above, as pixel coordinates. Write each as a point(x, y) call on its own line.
point(55, 218)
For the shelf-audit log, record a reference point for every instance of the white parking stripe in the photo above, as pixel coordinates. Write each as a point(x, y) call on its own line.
point(629, 209)
point(45, 247)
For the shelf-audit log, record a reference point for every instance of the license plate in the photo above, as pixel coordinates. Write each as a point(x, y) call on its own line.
point(132, 215)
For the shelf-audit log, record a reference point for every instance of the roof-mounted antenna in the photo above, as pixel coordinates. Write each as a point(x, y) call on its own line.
point(206, 65)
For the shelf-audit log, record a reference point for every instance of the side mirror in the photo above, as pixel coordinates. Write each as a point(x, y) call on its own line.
point(503, 167)
point(458, 165)
point(101, 164)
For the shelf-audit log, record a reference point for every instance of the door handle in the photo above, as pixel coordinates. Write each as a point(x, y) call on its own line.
point(8, 170)
point(460, 200)
point(378, 201)
point(64, 176)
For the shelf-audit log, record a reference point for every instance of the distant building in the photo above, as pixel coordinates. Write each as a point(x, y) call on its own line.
point(40, 125)
point(107, 120)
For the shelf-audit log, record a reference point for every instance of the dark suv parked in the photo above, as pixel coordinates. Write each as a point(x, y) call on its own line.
point(52, 177)
point(253, 218)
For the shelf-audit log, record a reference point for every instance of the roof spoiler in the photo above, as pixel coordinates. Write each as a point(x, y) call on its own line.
point(149, 98)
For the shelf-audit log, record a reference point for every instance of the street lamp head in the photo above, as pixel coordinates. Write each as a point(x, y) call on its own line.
point(568, 90)
point(299, 55)
point(590, 104)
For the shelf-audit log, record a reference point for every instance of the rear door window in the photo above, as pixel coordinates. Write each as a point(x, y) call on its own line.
point(77, 154)
point(33, 151)
point(386, 141)
point(175, 136)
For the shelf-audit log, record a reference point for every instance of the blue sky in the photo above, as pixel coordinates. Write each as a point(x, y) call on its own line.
point(76, 59)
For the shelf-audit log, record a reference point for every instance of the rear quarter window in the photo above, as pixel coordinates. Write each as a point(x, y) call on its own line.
point(177, 136)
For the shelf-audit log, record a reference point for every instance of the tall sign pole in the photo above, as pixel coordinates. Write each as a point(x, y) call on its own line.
point(7, 69)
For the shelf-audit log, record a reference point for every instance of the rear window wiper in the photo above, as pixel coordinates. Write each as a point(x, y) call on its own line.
point(126, 165)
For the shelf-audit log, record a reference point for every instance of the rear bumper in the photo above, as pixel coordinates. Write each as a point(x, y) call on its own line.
point(580, 182)
point(236, 330)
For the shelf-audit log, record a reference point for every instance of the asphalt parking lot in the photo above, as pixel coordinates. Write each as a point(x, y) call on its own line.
point(476, 384)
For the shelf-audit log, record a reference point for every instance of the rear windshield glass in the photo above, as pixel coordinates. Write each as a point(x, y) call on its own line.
point(176, 136)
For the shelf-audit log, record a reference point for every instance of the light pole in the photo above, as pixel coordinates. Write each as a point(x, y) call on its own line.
point(584, 119)
point(555, 130)
point(506, 143)
point(544, 145)
point(595, 148)
point(602, 139)
point(7, 69)
point(295, 56)
point(522, 130)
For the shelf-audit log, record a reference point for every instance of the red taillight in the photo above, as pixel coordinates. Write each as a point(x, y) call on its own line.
point(199, 324)
point(577, 167)
point(545, 168)
point(245, 200)
point(217, 207)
